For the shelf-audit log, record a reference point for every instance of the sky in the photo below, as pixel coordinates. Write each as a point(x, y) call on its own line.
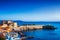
point(30, 10)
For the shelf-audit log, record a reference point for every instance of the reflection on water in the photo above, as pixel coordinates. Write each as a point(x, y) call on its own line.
point(45, 34)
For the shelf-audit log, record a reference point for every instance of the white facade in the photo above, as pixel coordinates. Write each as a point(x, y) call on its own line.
point(4, 25)
point(9, 22)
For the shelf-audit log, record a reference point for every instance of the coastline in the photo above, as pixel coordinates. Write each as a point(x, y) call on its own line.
point(10, 26)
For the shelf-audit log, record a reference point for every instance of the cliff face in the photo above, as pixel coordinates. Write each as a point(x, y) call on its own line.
point(28, 27)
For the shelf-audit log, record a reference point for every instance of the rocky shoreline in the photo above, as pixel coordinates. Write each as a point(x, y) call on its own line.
point(35, 27)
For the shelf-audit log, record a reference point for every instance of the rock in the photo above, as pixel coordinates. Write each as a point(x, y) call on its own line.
point(23, 38)
point(23, 35)
point(30, 37)
point(49, 27)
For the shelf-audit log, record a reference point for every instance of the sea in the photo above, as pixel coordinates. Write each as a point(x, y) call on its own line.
point(42, 34)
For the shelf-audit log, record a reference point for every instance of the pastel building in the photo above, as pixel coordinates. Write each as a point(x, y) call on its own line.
point(9, 22)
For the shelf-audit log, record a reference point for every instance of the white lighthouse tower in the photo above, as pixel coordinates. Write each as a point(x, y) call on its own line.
point(15, 24)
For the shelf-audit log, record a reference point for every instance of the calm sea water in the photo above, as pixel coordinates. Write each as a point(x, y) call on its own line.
point(45, 34)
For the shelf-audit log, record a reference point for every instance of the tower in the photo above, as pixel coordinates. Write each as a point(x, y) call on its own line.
point(15, 24)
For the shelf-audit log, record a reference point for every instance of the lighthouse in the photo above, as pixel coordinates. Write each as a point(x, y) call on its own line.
point(15, 24)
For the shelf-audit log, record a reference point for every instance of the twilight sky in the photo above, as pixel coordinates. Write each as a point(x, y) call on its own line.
point(30, 10)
